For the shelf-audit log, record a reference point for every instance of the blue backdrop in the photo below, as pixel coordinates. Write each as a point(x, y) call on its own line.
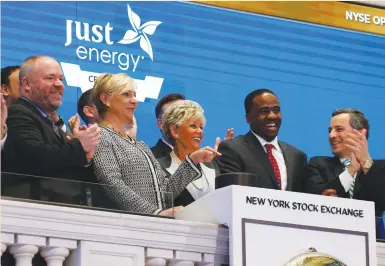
point(215, 57)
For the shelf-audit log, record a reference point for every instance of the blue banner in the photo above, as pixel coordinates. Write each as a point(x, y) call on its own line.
point(211, 55)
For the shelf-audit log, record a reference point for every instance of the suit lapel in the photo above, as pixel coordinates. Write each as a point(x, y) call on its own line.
point(63, 135)
point(61, 132)
point(289, 163)
point(163, 148)
point(337, 166)
point(252, 143)
point(36, 111)
point(165, 161)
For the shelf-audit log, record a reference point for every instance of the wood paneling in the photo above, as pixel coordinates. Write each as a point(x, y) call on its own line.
point(324, 13)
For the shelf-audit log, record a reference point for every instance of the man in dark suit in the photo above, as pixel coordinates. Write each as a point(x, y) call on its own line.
point(351, 173)
point(40, 147)
point(164, 146)
point(276, 164)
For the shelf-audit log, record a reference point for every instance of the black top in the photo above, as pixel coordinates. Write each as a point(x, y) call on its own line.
point(161, 149)
point(35, 148)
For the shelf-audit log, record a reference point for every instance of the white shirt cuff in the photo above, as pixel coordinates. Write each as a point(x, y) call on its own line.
point(64, 128)
point(346, 180)
point(3, 141)
point(157, 212)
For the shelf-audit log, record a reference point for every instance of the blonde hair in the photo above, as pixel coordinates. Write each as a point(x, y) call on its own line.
point(178, 112)
point(110, 84)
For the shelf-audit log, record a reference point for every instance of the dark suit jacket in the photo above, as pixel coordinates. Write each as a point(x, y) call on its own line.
point(38, 150)
point(246, 154)
point(161, 149)
point(33, 148)
point(185, 197)
point(323, 173)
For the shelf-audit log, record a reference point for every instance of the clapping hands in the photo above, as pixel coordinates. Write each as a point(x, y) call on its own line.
point(88, 136)
point(357, 144)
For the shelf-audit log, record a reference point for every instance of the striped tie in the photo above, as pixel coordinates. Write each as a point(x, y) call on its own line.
point(347, 163)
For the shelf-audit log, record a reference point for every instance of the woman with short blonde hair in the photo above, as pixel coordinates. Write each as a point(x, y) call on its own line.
point(133, 176)
point(183, 122)
point(180, 112)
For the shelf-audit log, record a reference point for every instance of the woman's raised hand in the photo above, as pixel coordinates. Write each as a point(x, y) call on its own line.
point(206, 154)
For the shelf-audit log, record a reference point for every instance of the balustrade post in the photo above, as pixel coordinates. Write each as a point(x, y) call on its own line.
point(3, 248)
point(23, 254)
point(54, 256)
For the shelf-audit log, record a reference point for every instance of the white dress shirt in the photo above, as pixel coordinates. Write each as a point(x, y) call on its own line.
point(345, 178)
point(278, 155)
point(64, 128)
point(3, 141)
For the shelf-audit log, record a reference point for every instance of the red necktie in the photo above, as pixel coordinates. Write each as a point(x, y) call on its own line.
point(274, 164)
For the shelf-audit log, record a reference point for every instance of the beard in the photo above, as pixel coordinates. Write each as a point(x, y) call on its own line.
point(44, 102)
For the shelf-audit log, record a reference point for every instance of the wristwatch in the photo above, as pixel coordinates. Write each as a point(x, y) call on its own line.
point(60, 122)
point(367, 164)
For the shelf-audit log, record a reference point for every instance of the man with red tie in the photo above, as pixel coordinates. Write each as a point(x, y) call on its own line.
point(277, 165)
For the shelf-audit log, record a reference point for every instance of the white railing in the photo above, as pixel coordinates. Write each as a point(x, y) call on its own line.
point(79, 237)
point(83, 237)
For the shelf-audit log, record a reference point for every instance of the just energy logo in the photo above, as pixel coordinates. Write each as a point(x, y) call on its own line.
point(102, 34)
point(149, 87)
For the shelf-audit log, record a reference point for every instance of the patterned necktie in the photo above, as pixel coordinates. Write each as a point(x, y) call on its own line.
point(274, 164)
point(54, 127)
point(347, 163)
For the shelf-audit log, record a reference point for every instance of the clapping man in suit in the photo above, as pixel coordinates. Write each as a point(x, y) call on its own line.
point(40, 147)
point(277, 164)
point(351, 173)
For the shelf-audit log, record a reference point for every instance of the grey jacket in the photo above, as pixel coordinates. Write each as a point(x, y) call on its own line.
point(133, 177)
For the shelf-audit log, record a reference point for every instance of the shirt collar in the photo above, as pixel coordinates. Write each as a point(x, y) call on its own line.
point(263, 142)
point(167, 143)
point(44, 114)
point(342, 159)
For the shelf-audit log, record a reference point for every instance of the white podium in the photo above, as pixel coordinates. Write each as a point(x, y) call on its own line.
point(273, 228)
